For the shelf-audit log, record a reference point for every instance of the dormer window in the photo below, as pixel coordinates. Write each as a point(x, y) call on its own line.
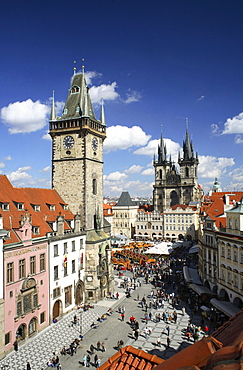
point(5, 206)
point(20, 206)
point(65, 111)
point(75, 90)
point(36, 207)
point(51, 207)
point(65, 207)
point(36, 230)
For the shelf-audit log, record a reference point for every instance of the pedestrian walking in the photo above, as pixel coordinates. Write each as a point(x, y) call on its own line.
point(103, 349)
point(159, 341)
point(136, 333)
point(91, 349)
point(98, 345)
point(122, 316)
point(97, 363)
point(168, 341)
point(28, 366)
point(85, 360)
point(168, 330)
point(206, 329)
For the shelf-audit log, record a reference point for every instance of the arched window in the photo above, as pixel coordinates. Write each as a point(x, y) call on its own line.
point(94, 185)
point(187, 172)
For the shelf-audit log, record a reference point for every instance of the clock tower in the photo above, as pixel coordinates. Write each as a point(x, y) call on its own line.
point(77, 175)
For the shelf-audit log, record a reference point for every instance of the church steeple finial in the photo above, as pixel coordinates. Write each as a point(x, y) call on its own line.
point(102, 113)
point(74, 68)
point(53, 116)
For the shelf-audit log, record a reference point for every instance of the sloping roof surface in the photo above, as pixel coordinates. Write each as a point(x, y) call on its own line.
point(130, 358)
point(125, 200)
point(30, 198)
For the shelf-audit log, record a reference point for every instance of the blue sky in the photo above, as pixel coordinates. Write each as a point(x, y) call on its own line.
point(155, 63)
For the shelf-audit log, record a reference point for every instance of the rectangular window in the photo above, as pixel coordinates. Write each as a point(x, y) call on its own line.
point(42, 317)
point(42, 262)
point(32, 265)
point(7, 338)
point(36, 230)
point(65, 269)
point(10, 272)
point(81, 243)
point(22, 269)
point(73, 266)
point(68, 295)
point(20, 206)
point(37, 208)
point(65, 248)
point(73, 246)
point(55, 272)
point(55, 250)
point(56, 292)
point(5, 206)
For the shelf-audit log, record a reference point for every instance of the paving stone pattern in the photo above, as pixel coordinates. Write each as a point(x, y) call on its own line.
point(39, 349)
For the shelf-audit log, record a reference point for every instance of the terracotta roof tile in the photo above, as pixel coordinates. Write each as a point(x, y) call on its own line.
point(229, 332)
point(130, 358)
point(30, 197)
point(194, 355)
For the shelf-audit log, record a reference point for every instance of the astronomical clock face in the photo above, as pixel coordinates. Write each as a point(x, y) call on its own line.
point(68, 142)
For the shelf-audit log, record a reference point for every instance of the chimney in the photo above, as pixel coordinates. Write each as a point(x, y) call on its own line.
point(60, 225)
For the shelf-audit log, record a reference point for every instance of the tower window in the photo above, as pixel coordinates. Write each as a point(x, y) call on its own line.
point(94, 186)
point(187, 172)
point(74, 90)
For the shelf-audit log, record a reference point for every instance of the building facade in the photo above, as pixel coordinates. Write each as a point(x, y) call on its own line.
point(125, 212)
point(176, 184)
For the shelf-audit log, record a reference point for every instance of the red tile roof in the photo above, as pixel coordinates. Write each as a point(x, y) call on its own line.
point(130, 358)
point(31, 197)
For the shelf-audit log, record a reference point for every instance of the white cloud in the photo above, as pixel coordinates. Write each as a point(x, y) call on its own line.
point(148, 172)
point(132, 96)
point(2, 165)
point(201, 98)
point(90, 75)
point(25, 116)
point(59, 105)
point(133, 169)
point(107, 92)
point(46, 169)
point(122, 137)
point(115, 176)
point(46, 136)
point(152, 148)
point(211, 167)
point(215, 129)
point(236, 175)
point(21, 174)
point(8, 158)
point(234, 125)
point(238, 139)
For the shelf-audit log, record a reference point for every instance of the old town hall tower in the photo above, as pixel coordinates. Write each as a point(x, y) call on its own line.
point(175, 184)
point(77, 175)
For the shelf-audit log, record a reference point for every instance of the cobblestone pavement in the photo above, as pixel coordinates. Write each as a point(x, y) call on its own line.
point(39, 349)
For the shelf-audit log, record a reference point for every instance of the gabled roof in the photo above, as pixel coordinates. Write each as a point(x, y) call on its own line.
point(125, 200)
point(30, 198)
point(130, 358)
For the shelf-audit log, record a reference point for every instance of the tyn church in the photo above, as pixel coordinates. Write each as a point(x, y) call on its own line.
point(175, 184)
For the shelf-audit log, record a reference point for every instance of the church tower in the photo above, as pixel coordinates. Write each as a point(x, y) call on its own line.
point(188, 171)
point(175, 184)
point(77, 175)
